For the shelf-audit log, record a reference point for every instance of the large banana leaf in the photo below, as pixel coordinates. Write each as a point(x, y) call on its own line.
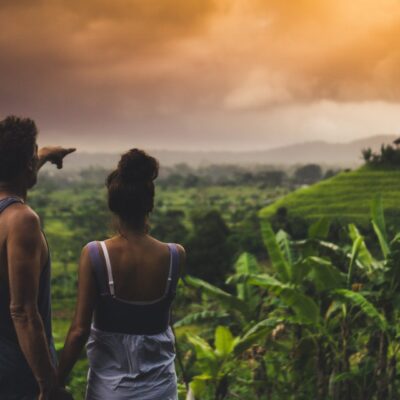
point(280, 264)
point(203, 349)
point(255, 334)
point(299, 271)
point(197, 387)
point(323, 274)
point(304, 306)
point(224, 341)
point(283, 240)
point(334, 248)
point(200, 317)
point(354, 254)
point(246, 264)
point(357, 299)
point(379, 225)
point(229, 301)
point(320, 229)
point(206, 357)
point(367, 262)
point(382, 240)
point(396, 239)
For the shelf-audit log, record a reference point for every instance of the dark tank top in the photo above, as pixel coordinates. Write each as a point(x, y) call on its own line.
point(7, 330)
point(131, 317)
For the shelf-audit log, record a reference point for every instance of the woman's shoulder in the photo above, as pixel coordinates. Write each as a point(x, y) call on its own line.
point(97, 242)
point(181, 250)
point(90, 247)
point(182, 257)
point(179, 246)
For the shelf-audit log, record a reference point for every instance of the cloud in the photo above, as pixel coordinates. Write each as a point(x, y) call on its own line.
point(259, 88)
point(97, 66)
point(328, 49)
point(74, 60)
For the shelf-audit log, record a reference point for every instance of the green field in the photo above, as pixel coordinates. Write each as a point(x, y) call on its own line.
point(346, 197)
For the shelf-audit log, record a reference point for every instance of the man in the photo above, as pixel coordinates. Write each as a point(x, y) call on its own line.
point(27, 355)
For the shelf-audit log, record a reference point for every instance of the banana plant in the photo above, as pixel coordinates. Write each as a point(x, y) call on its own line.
point(319, 294)
point(315, 289)
point(217, 362)
point(242, 306)
point(292, 275)
point(380, 280)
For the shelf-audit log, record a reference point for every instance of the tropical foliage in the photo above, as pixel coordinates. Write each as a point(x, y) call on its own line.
point(320, 321)
point(288, 307)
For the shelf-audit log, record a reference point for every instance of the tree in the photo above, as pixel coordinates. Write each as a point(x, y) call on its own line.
point(209, 253)
point(330, 173)
point(169, 226)
point(308, 174)
point(271, 178)
point(367, 154)
point(246, 235)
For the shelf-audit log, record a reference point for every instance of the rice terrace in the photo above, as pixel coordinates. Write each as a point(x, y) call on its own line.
point(346, 196)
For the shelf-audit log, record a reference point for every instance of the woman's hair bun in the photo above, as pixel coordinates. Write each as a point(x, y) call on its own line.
point(137, 166)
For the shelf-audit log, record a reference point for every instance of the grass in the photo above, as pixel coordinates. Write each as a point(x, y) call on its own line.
point(346, 197)
point(227, 199)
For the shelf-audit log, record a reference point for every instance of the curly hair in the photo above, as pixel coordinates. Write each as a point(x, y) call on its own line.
point(131, 188)
point(17, 146)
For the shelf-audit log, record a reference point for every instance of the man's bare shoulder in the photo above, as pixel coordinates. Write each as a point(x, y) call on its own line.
point(23, 219)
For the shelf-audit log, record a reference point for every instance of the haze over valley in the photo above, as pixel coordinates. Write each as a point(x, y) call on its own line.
point(321, 152)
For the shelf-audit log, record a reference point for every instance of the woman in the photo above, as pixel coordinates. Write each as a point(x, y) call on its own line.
point(127, 284)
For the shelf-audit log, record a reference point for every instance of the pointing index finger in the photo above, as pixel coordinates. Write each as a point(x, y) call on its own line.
point(70, 150)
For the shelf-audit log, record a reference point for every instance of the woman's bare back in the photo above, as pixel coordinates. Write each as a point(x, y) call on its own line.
point(140, 267)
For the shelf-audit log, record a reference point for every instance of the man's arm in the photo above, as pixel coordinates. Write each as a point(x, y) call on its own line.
point(24, 253)
point(80, 327)
point(54, 155)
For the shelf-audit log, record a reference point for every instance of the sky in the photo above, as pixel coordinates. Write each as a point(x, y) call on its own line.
point(201, 74)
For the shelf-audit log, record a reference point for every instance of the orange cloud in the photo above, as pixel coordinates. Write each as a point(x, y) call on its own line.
point(308, 50)
point(97, 64)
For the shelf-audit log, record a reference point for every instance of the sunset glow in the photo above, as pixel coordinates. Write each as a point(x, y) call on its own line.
point(187, 74)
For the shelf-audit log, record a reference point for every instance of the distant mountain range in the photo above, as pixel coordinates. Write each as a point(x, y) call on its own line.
point(338, 154)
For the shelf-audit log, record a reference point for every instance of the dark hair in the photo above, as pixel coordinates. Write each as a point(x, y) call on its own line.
point(17, 146)
point(131, 188)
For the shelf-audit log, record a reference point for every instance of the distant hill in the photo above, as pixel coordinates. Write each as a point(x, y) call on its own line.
point(339, 154)
point(346, 197)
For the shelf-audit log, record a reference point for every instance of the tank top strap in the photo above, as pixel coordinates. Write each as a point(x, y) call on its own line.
point(109, 269)
point(98, 267)
point(8, 201)
point(174, 268)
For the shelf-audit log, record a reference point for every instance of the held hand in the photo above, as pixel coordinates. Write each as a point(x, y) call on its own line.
point(58, 393)
point(61, 394)
point(54, 155)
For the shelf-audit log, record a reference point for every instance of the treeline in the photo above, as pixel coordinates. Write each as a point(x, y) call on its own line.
point(185, 176)
point(389, 156)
